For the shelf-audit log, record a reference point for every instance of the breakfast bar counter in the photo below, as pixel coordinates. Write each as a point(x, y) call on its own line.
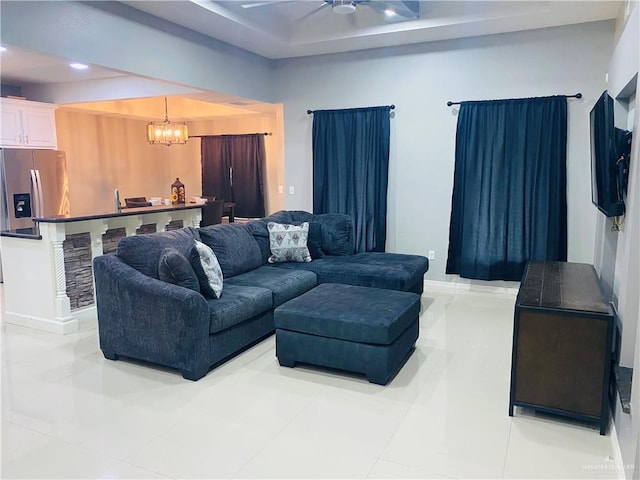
point(48, 273)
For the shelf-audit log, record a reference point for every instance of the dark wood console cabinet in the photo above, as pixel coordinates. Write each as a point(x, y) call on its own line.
point(562, 342)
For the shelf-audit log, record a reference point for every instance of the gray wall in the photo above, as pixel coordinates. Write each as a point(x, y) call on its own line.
point(618, 255)
point(121, 38)
point(419, 80)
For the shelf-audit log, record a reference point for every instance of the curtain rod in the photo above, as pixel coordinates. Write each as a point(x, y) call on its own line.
point(223, 134)
point(577, 95)
point(391, 107)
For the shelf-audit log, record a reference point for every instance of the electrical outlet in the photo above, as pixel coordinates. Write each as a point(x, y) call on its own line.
point(280, 189)
point(432, 254)
point(291, 190)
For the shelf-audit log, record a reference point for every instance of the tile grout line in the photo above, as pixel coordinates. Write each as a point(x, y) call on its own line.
point(506, 452)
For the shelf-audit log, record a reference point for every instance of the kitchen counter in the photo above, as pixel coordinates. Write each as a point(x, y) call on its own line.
point(48, 275)
point(124, 212)
point(33, 234)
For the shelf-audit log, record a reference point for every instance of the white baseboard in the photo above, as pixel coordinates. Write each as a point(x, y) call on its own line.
point(56, 325)
point(617, 453)
point(463, 285)
point(80, 319)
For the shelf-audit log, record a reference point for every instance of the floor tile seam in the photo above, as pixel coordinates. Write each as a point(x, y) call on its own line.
point(506, 452)
point(61, 373)
point(22, 426)
point(412, 467)
point(10, 450)
point(428, 376)
point(392, 436)
point(437, 470)
point(458, 458)
point(147, 469)
point(266, 444)
point(127, 458)
point(161, 432)
point(51, 436)
point(372, 468)
point(438, 451)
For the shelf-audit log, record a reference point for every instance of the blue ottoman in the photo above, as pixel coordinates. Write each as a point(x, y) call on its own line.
point(366, 330)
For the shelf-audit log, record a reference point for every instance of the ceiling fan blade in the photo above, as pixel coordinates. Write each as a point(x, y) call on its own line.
point(314, 11)
point(264, 4)
point(402, 10)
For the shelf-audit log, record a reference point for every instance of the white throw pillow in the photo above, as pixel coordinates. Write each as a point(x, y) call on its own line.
point(288, 243)
point(210, 274)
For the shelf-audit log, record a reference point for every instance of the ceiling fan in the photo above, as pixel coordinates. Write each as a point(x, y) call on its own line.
point(393, 10)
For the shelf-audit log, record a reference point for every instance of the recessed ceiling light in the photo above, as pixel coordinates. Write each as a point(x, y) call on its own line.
point(79, 66)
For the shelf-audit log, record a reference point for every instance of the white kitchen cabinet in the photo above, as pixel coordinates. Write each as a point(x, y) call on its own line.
point(26, 124)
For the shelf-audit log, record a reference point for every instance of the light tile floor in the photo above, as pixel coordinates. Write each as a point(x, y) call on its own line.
point(69, 413)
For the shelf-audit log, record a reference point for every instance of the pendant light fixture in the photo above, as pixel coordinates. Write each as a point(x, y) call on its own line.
point(167, 133)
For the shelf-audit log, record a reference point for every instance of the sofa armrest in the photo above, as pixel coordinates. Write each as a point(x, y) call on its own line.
point(147, 319)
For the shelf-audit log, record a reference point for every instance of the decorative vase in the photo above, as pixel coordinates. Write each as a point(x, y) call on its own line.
point(177, 192)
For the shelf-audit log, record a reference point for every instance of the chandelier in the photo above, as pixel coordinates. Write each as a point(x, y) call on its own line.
point(167, 133)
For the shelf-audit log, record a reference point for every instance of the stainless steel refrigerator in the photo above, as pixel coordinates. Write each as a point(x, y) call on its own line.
point(34, 184)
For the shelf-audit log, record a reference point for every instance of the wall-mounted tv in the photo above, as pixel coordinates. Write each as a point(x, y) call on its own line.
point(605, 193)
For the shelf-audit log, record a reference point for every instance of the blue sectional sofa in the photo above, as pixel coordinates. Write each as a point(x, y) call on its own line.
point(170, 322)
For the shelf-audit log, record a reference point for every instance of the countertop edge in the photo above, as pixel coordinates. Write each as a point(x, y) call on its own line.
point(125, 212)
point(28, 236)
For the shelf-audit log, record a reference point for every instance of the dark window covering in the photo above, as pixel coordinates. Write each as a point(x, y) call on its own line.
point(350, 170)
point(233, 170)
point(509, 201)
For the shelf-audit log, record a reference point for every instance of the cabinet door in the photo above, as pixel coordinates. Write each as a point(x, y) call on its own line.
point(39, 128)
point(11, 127)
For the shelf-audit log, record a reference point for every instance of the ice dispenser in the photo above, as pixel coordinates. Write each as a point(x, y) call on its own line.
point(22, 205)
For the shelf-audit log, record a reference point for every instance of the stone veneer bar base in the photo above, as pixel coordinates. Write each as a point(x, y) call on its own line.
point(48, 281)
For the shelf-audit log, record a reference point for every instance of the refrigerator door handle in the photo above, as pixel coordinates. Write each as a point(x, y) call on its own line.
point(40, 198)
point(34, 192)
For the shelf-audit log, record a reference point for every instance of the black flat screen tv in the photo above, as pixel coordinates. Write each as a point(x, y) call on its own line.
point(604, 189)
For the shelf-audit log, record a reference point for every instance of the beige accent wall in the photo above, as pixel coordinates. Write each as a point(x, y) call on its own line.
point(104, 153)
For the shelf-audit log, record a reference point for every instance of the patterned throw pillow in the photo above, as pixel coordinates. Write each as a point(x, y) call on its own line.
point(207, 268)
point(288, 243)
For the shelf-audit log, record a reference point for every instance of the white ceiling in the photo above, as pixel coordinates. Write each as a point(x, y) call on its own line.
point(283, 28)
point(280, 28)
point(19, 68)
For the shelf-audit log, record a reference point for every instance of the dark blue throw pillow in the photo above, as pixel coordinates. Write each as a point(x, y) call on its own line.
point(314, 241)
point(337, 233)
point(175, 268)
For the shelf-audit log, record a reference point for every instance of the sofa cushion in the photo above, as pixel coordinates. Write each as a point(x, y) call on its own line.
point(285, 284)
point(235, 247)
point(299, 216)
point(288, 243)
point(282, 216)
point(175, 268)
point(392, 271)
point(142, 252)
point(207, 269)
point(237, 304)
